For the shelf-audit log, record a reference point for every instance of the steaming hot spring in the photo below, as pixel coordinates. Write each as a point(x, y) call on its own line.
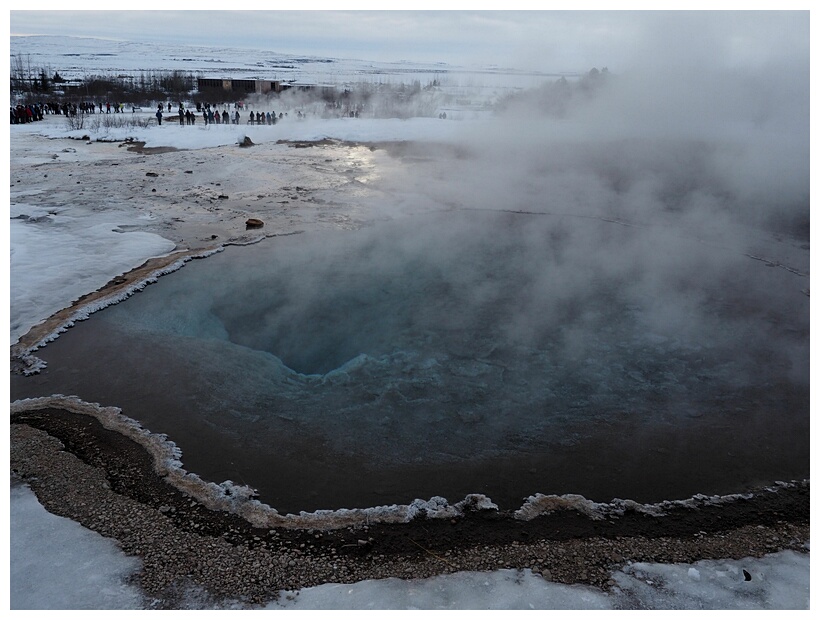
point(460, 352)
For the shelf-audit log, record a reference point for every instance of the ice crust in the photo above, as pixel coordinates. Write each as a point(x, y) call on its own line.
point(539, 504)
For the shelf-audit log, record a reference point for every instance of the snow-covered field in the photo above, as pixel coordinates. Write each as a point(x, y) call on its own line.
point(77, 57)
point(101, 226)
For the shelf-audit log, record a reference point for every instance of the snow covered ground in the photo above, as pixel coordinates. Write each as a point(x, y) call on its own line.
point(55, 563)
point(58, 564)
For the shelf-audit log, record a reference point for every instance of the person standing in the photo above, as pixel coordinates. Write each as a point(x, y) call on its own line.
point(159, 115)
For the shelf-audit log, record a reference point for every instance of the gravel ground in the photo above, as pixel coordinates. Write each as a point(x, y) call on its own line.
point(107, 483)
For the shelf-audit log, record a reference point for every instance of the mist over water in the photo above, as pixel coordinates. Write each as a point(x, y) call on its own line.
point(609, 299)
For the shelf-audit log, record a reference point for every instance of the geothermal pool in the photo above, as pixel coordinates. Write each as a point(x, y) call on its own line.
point(460, 352)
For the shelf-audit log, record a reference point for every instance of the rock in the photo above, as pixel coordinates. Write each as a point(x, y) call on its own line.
point(254, 223)
point(151, 174)
point(246, 141)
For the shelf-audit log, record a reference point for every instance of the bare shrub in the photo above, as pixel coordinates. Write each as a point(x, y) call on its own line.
point(76, 121)
point(102, 123)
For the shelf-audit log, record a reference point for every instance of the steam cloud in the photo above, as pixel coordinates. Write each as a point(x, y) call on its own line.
point(641, 249)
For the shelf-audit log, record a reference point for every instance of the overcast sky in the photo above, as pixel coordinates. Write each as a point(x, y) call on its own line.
point(538, 40)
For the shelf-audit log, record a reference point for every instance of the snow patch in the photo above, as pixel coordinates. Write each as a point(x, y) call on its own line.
point(55, 563)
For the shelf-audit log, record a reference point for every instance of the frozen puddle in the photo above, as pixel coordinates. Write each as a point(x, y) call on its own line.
point(460, 353)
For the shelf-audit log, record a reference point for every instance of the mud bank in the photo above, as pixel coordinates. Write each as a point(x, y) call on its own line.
point(114, 482)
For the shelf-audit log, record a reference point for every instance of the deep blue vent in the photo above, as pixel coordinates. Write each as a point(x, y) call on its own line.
point(317, 314)
point(457, 353)
point(316, 331)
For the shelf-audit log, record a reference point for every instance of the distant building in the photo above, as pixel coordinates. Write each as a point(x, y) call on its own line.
point(260, 87)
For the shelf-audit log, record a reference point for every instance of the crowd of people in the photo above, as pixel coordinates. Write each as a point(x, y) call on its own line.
point(35, 111)
point(211, 115)
point(26, 113)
